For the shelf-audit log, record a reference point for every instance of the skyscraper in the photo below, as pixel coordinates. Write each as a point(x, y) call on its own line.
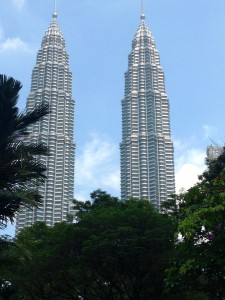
point(213, 152)
point(147, 165)
point(52, 82)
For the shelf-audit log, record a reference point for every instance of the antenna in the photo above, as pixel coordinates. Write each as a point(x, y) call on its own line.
point(142, 10)
point(142, 7)
point(54, 14)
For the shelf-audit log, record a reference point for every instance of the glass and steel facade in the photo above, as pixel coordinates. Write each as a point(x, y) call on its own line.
point(52, 82)
point(147, 163)
point(213, 152)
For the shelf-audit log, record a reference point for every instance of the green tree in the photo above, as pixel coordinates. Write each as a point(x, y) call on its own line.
point(127, 252)
point(199, 260)
point(18, 163)
point(116, 251)
point(98, 198)
point(7, 291)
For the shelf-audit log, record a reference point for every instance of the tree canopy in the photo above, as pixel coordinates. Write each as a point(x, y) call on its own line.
point(199, 257)
point(116, 251)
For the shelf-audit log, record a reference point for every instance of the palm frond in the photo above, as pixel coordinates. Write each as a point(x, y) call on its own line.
point(27, 149)
point(19, 159)
point(27, 118)
point(12, 200)
point(9, 94)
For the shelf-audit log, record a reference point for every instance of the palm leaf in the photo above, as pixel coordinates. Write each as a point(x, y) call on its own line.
point(19, 163)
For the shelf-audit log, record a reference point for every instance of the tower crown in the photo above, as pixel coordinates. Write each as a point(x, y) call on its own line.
point(53, 35)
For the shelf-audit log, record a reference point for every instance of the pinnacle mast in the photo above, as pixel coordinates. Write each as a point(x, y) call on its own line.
point(142, 10)
point(55, 13)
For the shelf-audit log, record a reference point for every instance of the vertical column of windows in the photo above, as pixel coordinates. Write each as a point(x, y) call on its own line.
point(161, 82)
point(61, 77)
point(52, 117)
point(48, 76)
point(165, 115)
point(135, 79)
point(143, 160)
point(61, 114)
point(134, 114)
point(135, 175)
point(54, 79)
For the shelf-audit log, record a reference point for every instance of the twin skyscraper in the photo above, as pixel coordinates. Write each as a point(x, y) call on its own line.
point(52, 82)
point(147, 164)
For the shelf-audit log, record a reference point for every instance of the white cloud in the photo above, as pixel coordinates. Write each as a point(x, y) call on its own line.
point(97, 167)
point(187, 176)
point(14, 44)
point(189, 164)
point(18, 3)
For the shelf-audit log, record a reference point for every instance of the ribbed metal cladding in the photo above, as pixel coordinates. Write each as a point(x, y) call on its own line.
point(147, 159)
point(52, 82)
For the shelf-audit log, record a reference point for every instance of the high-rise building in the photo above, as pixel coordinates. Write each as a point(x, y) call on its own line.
point(213, 152)
point(147, 164)
point(52, 82)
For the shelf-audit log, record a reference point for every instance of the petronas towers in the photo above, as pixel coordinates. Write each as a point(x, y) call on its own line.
point(52, 82)
point(147, 166)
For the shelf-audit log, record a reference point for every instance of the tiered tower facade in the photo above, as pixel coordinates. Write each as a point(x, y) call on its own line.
point(147, 163)
point(52, 83)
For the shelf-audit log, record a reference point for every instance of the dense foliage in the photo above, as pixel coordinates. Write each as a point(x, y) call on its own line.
point(198, 262)
point(116, 250)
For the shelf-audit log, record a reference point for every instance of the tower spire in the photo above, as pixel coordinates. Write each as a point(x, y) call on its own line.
point(142, 10)
point(54, 14)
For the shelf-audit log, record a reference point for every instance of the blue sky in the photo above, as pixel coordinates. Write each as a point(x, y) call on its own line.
point(190, 37)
